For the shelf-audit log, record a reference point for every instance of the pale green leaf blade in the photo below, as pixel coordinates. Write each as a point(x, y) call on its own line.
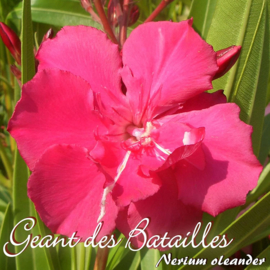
point(57, 12)
point(202, 12)
point(7, 263)
point(265, 142)
point(149, 258)
point(21, 203)
point(262, 187)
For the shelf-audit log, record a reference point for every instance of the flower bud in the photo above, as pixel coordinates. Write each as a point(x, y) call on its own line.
point(48, 35)
point(134, 15)
point(226, 58)
point(17, 73)
point(112, 14)
point(12, 41)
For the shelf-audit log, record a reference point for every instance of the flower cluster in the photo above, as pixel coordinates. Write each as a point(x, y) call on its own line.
point(117, 137)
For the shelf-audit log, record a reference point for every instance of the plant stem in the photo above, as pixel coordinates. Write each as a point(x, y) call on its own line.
point(123, 29)
point(104, 20)
point(159, 8)
point(101, 258)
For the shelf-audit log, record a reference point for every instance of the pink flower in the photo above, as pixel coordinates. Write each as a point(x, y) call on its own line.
point(120, 139)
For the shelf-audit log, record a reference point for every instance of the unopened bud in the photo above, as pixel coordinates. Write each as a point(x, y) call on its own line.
point(16, 72)
point(12, 41)
point(48, 35)
point(112, 14)
point(226, 58)
point(134, 15)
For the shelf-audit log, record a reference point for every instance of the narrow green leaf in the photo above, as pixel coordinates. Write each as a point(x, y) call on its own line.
point(7, 263)
point(117, 253)
point(21, 204)
point(135, 262)
point(265, 142)
point(149, 258)
point(202, 12)
point(56, 12)
point(266, 266)
point(256, 219)
point(64, 256)
point(28, 60)
point(245, 23)
point(262, 187)
point(44, 258)
point(21, 211)
point(262, 234)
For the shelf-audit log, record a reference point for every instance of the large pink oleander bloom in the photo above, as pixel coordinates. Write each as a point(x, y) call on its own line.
point(117, 137)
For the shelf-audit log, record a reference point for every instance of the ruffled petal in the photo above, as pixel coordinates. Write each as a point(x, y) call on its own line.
point(165, 211)
point(88, 53)
point(166, 63)
point(55, 107)
point(66, 188)
point(231, 169)
point(85, 52)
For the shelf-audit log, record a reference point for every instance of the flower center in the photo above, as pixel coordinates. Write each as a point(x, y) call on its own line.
point(139, 137)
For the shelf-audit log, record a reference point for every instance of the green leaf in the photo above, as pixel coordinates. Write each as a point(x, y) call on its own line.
point(28, 60)
point(64, 256)
point(265, 142)
point(44, 258)
point(7, 263)
point(256, 219)
point(149, 258)
point(6, 6)
point(266, 266)
point(262, 187)
point(21, 211)
point(245, 23)
point(21, 203)
point(56, 12)
point(202, 12)
point(117, 254)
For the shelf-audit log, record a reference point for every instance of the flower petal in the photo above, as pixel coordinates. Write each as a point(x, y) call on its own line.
point(66, 188)
point(203, 101)
point(231, 168)
point(169, 62)
point(88, 53)
point(56, 107)
point(166, 212)
point(182, 142)
point(131, 183)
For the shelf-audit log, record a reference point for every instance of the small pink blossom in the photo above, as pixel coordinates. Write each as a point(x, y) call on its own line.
point(119, 139)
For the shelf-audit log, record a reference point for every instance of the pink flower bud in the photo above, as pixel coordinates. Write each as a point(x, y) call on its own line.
point(17, 73)
point(112, 14)
point(226, 58)
point(12, 41)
